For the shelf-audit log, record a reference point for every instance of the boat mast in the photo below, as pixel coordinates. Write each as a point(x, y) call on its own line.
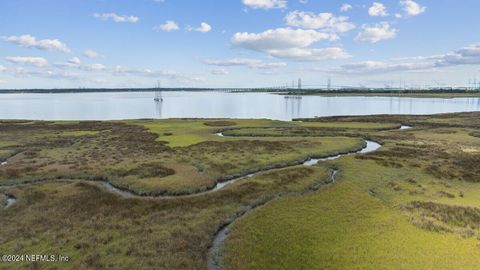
point(158, 93)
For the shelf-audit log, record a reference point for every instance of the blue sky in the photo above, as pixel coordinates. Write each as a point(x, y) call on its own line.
point(237, 43)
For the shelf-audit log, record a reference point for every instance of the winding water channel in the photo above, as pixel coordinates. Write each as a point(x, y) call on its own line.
point(370, 146)
point(213, 252)
point(221, 235)
point(213, 259)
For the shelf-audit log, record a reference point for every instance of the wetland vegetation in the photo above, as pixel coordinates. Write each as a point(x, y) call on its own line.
point(413, 204)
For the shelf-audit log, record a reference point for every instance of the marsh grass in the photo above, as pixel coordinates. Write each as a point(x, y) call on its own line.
point(98, 229)
point(130, 156)
point(411, 205)
point(219, 123)
point(463, 220)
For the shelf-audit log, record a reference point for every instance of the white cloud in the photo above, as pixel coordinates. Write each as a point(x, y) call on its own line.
point(345, 7)
point(311, 54)
point(168, 26)
point(377, 10)
point(280, 38)
point(45, 73)
point(469, 55)
point(75, 61)
point(43, 44)
point(376, 33)
point(203, 28)
point(114, 70)
point(219, 71)
point(40, 71)
point(265, 4)
point(94, 67)
point(325, 21)
point(251, 63)
point(90, 53)
point(412, 8)
point(289, 43)
point(116, 18)
point(145, 72)
point(2, 68)
point(382, 67)
point(35, 61)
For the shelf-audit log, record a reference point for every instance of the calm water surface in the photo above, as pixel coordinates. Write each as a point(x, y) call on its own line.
point(134, 105)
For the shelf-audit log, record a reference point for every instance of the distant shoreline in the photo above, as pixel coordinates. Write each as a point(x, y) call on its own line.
point(399, 94)
point(94, 90)
point(441, 93)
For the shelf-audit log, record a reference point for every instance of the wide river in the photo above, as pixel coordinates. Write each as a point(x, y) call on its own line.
point(134, 105)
